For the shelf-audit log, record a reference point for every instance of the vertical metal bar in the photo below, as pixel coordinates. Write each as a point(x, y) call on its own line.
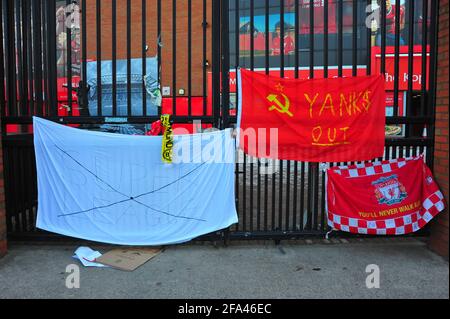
point(7, 174)
point(266, 36)
point(297, 42)
point(302, 195)
point(37, 56)
point(98, 28)
point(311, 39)
point(129, 110)
point(237, 193)
point(51, 55)
point(189, 56)
point(288, 194)
point(266, 63)
point(25, 55)
point(369, 44)
point(11, 82)
point(274, 187)
point(244, 194)
point(433, 77)
point(9, 193)
point(325, 75)
point(316, 196)
point(423, 89)
point(400, 151)
point(281, 41)
point(29, 31)
point(410, 62)
point(158, 22)
point(280, 184)
point(22, 194)
point(313, 167)
point(294, 201)
point(296, 75)
point(2, 70)
point(204, 78)
point(252, 32)
point(19, 53)
point(310, 196)
point(383, 37)
point(45, 110)
point(144, 55)
point(236, 36)
point(69, 64)
point(114, 56)
point(397, 57)
point(174, 57)
point(340, 36)
point(16, 181)
point(252, 66)
point(85, 109)
point(45, 94)
point(237, 63)
point(322, 203)
point(237, 49)
point(354, 36)
point(280, 197)
point(216, 61)
point(325, 39)
point(251, 191)
point(258, 197)
point(225, 56)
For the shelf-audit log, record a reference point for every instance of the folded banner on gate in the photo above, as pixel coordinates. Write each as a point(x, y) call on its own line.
point(115, 188)
point(316, 120)
point(167, 140)
point(392, 197)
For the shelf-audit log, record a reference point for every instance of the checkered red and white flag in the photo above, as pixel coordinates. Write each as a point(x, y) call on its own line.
point(391, 197)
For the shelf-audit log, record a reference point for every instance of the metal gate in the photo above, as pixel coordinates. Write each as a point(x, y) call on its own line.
point(50, 52)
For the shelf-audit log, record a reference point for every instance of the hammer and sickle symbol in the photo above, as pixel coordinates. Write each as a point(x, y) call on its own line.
point(278, 106)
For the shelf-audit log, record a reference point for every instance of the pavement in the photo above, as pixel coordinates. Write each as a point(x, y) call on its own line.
point(297, 269)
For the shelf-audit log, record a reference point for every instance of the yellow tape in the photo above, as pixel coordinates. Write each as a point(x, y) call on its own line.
point(167, 141)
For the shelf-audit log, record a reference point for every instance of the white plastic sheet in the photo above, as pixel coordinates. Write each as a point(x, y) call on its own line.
point(87, 257)
point(114, 188)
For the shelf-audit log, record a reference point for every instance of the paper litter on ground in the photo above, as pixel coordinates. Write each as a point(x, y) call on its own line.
point(87, 257)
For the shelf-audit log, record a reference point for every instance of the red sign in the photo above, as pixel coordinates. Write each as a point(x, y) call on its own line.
point(403, 74)
point(318, 120)
point(383, 198)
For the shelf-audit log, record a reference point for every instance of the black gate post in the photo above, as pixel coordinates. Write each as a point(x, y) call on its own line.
point(215, 46)
point(10, 48)
point(225, 78)
point(225, 55)
point(51, 93)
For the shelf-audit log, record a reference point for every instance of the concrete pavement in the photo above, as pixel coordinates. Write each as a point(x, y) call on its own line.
point(242, 270)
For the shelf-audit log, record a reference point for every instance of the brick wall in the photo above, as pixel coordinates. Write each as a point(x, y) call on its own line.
point(2, 206)
point(152, 35)
point(439, 229)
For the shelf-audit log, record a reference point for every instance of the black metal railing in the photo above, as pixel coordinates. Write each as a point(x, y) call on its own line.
point(49, 50)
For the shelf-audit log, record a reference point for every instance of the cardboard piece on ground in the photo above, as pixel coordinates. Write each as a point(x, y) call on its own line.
point(128, 258)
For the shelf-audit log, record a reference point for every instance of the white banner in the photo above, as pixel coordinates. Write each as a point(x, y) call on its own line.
point(114, 188)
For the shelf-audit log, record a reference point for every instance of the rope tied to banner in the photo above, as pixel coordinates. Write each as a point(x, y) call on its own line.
point(167, 141)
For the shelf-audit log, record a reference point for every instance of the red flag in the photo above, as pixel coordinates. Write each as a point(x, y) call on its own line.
point(318, 120)
point(382, 198)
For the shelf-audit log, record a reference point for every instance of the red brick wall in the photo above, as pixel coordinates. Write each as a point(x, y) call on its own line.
point(2, 206)
point(152, 35)
point(439, 229)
